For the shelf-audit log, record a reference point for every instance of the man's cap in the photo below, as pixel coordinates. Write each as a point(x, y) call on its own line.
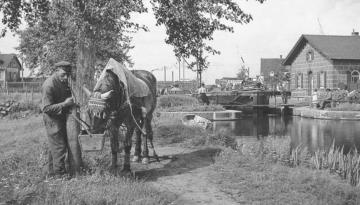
point(64, 65)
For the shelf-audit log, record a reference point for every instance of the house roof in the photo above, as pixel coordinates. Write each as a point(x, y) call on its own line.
point(331, 47)
point(5, 59)
point(271, 64)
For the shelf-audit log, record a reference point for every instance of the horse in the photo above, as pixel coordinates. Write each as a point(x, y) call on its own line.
point(136, 113)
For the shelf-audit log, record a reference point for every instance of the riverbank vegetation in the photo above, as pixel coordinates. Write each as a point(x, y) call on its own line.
point(23, 158)
point(249, 170)
point(183, 103)
point(346, 107)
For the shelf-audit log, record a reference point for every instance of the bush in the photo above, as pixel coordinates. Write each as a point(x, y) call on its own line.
point(166, 101)
point(346, 107)
point(184, 103)
point(193, 136)
point(196, 108)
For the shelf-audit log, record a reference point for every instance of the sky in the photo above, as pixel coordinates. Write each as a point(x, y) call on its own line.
point(276, 26)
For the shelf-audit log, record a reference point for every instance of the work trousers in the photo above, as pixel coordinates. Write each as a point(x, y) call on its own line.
point(57, 139)
point(204, 98)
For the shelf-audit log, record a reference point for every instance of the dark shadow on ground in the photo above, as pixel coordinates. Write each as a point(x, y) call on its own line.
point(179, 164)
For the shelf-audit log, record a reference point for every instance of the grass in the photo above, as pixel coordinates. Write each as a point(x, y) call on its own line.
point(26, 104)
point(183, 103)
point(253, 180)
point(23, 157)
point(167, 134)
point(346, 107)
point(249, 171)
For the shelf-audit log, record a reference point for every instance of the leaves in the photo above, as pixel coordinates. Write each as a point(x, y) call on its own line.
point(191, 24)
point(56, 27)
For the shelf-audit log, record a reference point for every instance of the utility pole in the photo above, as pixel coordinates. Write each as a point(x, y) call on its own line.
point(183, 62)
point(164, 74)
point(179, 61)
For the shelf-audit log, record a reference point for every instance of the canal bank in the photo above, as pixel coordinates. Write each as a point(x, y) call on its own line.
point(210, 115)
point(326, 114)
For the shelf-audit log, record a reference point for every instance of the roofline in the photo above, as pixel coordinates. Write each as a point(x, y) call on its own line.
point(303, 38)
point(297, 44)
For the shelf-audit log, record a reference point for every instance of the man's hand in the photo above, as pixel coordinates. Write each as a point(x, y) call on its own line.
point(69, 102)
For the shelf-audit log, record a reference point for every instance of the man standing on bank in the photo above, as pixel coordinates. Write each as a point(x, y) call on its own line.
point(56, 103)
point(203, 96)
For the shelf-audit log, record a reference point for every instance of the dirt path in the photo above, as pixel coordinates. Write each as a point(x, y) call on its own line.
point(186, 174)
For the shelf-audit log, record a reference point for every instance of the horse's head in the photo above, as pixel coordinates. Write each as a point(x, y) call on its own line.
point(104, 102)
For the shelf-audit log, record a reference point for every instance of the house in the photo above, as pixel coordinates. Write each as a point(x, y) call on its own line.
point(10, 68)
point(324, 61)
point(270, 67)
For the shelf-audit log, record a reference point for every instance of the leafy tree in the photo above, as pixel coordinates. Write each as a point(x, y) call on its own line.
point(78, 30)
point(191, 24)
point(243, 73)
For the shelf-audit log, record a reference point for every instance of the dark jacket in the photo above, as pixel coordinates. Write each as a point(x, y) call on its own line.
point(54, 93)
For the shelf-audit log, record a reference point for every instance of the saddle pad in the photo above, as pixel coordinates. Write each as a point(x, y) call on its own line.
point(135, 86)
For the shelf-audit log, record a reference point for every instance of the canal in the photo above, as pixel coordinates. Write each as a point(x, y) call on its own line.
point(313, 133)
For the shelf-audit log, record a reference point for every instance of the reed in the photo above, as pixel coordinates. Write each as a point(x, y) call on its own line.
point(345, 165)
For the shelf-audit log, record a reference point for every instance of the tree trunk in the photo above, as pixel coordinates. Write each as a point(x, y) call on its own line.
point(74, 152)
point(85, 70)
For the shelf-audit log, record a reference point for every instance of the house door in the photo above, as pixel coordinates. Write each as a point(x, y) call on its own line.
point(354, 83)
point(310, 84)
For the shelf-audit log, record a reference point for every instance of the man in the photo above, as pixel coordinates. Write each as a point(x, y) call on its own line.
point(202, 92)
point(327, 99)
point(56, 103)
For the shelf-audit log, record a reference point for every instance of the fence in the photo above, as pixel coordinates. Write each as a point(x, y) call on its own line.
point(21, 87)
point(21, 91)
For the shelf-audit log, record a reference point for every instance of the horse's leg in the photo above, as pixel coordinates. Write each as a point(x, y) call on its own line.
point(137, 155)
point(114, 143)
point(145, 150)
point(127, 148)
point(150, 135)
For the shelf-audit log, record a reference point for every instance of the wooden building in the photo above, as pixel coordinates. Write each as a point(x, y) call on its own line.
point(10, 68)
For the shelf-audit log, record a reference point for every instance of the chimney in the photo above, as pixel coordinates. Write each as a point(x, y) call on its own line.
point(354, 33)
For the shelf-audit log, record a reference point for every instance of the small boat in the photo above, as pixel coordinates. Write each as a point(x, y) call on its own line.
point(193, 120)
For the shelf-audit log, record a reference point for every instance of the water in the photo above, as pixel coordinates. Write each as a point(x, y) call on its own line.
point(313, 133)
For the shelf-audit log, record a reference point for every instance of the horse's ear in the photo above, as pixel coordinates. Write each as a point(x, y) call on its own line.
point(86, 91)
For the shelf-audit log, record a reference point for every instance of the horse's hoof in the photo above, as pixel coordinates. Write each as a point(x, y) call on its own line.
point(145, 160)
point(136, 159)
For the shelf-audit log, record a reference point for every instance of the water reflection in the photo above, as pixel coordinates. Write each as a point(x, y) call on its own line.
point(313, 133)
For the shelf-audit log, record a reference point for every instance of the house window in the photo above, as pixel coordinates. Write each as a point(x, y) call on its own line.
point(355, 76)
point(299, 80)
point(322, 80)
point(310, 56)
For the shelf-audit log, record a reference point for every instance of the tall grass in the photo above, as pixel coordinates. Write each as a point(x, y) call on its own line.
point(346, 107)
point(23, 162)
point(169, 133)
point(335, 160)
point(183, 103)
point(252, 180)
point(346, 165)
point(166, 101)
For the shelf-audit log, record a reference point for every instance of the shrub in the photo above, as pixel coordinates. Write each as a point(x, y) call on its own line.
point(166, 101)
point(346, 107)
